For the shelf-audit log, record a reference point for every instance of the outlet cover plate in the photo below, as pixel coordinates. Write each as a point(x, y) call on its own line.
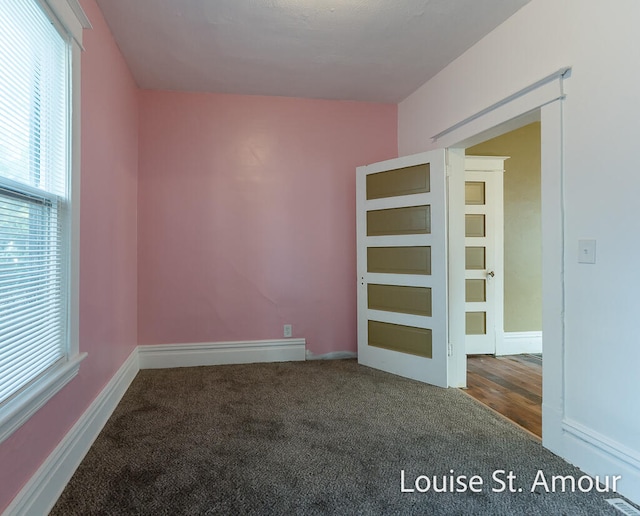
point(586, 251)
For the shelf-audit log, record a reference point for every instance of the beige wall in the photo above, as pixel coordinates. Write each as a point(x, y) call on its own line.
point(522, 236)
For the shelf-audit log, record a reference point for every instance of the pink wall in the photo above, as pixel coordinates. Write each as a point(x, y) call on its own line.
point(108, 311)
point(246, 222)
point(247, 216)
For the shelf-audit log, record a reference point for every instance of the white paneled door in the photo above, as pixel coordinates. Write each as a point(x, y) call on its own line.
point(402, 266)
point(484, 248)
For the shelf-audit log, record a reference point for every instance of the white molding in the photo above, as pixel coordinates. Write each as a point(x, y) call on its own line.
point(474, 163)
point(553, 277)
point(596, 454)
point(41, 492)
point(505, 115)
point(164, 356)
point(519, 342)
point(69, 16)
point(334, 355)
point(457, 363)
point(524, 92)
point(592, 452)
point(551, 423)
point(80, 14)
point(22, 406)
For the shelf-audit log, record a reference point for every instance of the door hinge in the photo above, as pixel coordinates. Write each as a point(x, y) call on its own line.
point(449, 349)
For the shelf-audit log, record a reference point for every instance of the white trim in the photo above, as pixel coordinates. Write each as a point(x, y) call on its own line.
point(17, 410)
point(553, 302)
point(69, 15)
point(41, 492)
point(508, 117)
point(505, 116)
point(514, 111)
point(536, 86)
point(334, 355)
point(218, 353)
point(596, 454)
point(457, 348)
point(73, 264)
point(80, 14)
point(518, 342)
point(485, 163)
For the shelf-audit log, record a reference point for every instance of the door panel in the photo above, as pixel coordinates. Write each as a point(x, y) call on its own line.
point(413, 220)
point(401, 299)
point(474, 225)
point(476, 290)
point(399, 260)
point(401, 243)
point(476, 323)
point(474, 193)
point(399, 181)
point(397, 337)
point(475, 258)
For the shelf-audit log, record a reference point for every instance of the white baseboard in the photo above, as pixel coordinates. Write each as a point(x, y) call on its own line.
point(596, 454)
point(516, 343)
point(593, 453)
point(41, 492)
point(335, 355)
point(165, 356)
point(552, 433)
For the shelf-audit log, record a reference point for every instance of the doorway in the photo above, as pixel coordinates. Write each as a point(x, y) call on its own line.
point(508, 378)
point(541, 101)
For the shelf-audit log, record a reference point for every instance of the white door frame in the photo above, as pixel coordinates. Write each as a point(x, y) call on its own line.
point(544, 102)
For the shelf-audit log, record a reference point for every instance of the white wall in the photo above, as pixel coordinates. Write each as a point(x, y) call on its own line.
point(601, 41)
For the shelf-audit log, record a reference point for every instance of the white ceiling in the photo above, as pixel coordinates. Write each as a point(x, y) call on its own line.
point(369, 50)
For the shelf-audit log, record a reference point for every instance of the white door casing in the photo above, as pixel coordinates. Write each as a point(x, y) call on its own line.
point(544, 100)
point(485, 282)
point(375, 352)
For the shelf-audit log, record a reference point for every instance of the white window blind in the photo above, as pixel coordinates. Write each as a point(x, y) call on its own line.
point(34, 195)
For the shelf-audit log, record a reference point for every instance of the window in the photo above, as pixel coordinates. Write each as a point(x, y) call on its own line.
point(38, 290)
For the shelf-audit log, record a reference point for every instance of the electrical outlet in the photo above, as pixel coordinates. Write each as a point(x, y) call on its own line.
point(288, 330)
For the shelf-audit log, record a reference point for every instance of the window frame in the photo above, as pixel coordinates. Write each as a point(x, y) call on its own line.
point(70, 20)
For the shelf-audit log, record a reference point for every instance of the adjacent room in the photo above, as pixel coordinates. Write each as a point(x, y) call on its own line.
point(189, 303)
point(506, 374)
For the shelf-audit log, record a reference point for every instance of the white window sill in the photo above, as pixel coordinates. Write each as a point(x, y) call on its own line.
point(18, 410)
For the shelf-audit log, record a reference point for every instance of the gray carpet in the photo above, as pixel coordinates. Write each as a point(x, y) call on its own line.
point(325, 437)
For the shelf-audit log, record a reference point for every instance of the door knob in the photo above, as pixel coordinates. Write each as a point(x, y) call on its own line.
point(490, 274)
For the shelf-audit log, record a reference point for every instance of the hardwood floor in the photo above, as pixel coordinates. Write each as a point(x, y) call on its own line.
point(511, 385)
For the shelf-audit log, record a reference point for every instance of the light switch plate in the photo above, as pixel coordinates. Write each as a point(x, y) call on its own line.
point(586, 251)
